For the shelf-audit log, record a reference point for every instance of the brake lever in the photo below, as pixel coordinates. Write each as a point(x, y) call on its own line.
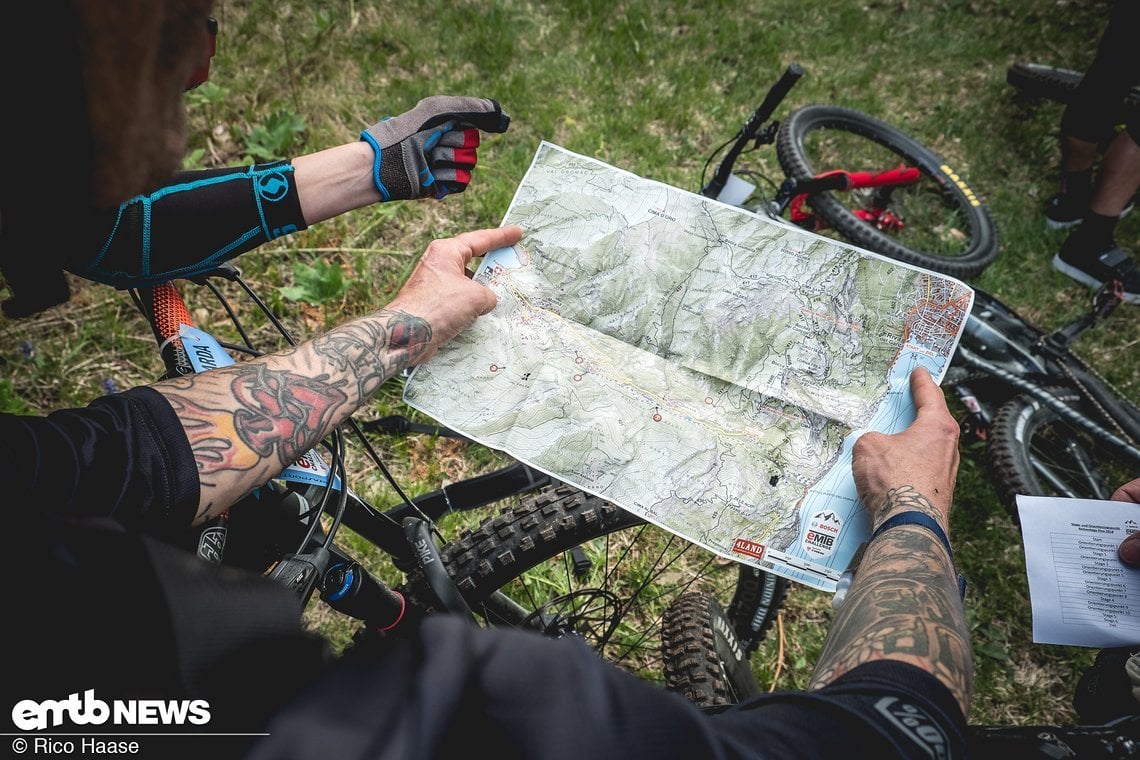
point(767, 135)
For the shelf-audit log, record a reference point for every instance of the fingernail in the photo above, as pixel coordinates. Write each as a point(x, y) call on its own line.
point(1129, 550)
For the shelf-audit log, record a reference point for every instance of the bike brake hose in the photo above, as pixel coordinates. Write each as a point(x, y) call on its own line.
point(762, 113)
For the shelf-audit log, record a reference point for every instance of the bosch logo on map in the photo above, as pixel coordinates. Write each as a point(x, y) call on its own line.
point(822, 534)
point(751, 548)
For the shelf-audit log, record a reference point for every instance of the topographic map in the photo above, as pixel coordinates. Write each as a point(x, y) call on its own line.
point(692, 362)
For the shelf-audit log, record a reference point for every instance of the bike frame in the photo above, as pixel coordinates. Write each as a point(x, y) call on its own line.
point(792, 196)
point(1016, 358)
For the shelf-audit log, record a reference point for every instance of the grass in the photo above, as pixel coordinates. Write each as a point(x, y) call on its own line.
point(651, 87)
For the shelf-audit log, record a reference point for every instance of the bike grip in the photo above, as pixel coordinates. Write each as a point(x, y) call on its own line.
point(778, 92)
point(169, 310)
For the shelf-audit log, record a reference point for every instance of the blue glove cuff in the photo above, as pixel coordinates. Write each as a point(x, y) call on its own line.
point(387, 196)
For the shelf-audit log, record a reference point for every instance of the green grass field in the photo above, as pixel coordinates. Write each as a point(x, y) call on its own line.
point(651, 87)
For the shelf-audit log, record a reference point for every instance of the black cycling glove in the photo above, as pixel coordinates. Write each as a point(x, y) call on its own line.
point(430, 150)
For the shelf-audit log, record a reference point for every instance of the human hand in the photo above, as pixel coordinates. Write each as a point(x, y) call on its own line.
point(923, 457)
point(440, 289)
point(1129, 549)
point(429, 151)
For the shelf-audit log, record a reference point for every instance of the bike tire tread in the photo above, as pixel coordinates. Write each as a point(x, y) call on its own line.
point(983, 237)
point(702, 659)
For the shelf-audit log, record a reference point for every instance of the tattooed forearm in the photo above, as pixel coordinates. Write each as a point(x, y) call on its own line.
point(247, 422)
point(375, 349)
point(250, 419)
point(904, 605)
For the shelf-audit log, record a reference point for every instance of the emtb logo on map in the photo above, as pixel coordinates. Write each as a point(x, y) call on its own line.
point(822, 534)
point(751, 548)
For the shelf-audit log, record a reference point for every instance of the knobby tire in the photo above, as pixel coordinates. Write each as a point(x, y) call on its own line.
point(1034, 451)
point(703, 658)
point(946, 227)
point(519, 569)
point(1055, 83)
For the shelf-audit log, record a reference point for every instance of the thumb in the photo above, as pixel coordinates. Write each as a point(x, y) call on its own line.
point(1129, 550)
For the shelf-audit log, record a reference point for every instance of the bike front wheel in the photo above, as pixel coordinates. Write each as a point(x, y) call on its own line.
point(937, 223)
point(1036, 452)
point(567, 563)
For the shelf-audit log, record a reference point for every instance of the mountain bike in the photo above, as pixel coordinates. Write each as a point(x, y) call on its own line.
point(867, 182)
point(1050, 423)
point(556, 560)
point(860, 178)
point(1118, 739)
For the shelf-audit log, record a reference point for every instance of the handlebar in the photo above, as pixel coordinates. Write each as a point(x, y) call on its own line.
point(763, 112)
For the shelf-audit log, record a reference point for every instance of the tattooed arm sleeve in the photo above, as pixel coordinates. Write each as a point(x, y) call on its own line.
point(904, 605)
point(248, 421)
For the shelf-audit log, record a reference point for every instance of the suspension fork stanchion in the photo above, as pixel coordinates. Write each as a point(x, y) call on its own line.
point(427, 555)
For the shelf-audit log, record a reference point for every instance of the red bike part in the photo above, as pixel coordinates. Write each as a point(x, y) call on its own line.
point(803, 218)
point(880, 218)
point(900, 175)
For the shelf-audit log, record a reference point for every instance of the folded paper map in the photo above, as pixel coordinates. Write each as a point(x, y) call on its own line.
point(697, 364)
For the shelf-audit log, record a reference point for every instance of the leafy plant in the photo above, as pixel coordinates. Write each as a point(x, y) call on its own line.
point(206, 95)
point(10, 400)
point(274, 140)
point(316, 283)
point(193, 159)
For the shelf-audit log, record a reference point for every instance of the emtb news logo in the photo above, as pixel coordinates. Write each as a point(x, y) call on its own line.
point(29, 715)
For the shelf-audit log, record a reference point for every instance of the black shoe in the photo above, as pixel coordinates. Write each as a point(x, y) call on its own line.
point(1066, 210)
point(1104, 691)
point(1112, 263)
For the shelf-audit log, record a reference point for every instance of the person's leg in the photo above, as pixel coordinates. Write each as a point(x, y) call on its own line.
point(1088, 122)
point(1112, 195)
point(1090, 254)
point(1070, 204)
point(1119, 176)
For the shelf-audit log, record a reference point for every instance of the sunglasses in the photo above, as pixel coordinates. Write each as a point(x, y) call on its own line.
point(203, 72)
